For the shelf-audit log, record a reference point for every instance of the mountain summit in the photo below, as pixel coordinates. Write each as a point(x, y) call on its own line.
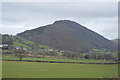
point(69, 36)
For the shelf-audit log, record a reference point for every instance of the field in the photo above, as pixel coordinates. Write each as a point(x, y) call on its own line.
point(57, 70)
point(10, 57)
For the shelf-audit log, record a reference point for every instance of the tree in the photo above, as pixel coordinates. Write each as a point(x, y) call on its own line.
point(6, 39)
point(102, 54)
point(20, 53)
point(86, 56)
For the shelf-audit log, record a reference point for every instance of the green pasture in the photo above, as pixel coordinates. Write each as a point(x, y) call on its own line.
point(18, 44)
point(10, 57)
point(18, 69)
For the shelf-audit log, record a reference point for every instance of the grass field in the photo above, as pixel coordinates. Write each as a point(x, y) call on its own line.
point(57, 70)
point(10, 57)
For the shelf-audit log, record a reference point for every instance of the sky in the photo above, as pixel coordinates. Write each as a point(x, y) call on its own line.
point(101, 17)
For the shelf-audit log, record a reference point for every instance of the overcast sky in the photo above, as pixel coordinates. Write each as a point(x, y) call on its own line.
point(100, 17)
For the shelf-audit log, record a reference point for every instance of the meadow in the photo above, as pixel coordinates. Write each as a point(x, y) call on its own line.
point(11, 57)
point(18, 69)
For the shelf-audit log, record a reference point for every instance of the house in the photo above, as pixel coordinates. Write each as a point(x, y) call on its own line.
point(4, 46)
point(48, 50)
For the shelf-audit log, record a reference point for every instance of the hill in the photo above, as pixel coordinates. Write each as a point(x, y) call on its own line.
point(116, 42)
point(18, 42)
point(68, 36)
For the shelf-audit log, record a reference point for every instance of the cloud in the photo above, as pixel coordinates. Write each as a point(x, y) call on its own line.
point(108, 27)
point(59, 0)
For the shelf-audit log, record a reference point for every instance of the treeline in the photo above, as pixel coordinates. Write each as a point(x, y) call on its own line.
point(101, 54)
point(95, 54)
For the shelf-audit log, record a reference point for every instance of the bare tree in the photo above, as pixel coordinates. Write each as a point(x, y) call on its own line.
point(20, 53)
